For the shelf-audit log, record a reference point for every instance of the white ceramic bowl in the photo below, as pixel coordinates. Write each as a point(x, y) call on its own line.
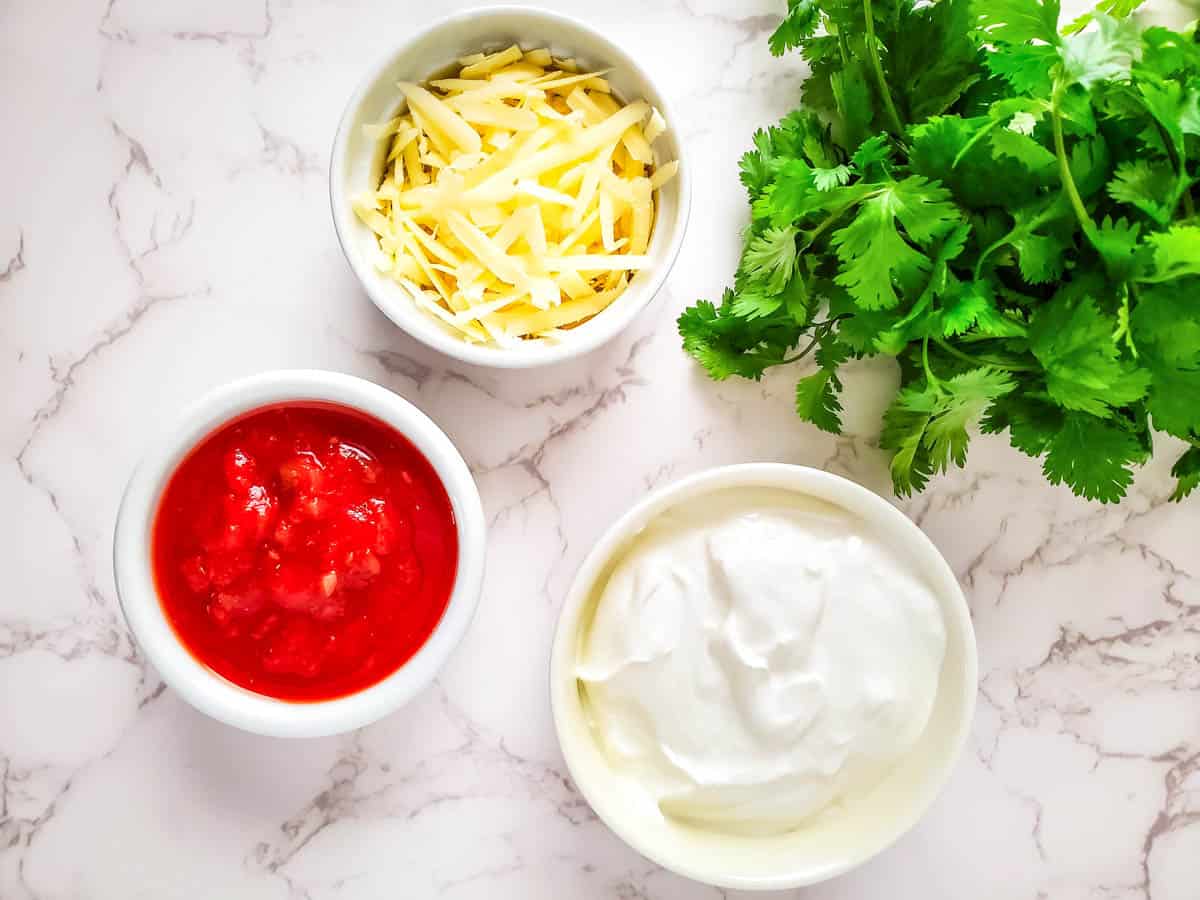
point(829, 845)
point(357, 162)
point(205, 689)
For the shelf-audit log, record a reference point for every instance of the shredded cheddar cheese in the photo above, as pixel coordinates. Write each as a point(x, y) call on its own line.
point(517, 197)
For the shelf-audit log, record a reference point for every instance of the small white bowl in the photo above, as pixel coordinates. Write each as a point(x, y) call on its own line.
point(201, 686)
point(357, 162)
point(828, 845)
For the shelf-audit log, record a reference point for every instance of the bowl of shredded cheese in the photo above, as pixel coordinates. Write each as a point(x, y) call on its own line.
point(508, 187)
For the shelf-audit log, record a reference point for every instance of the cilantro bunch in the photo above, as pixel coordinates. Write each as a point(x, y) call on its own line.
point(1005, 208)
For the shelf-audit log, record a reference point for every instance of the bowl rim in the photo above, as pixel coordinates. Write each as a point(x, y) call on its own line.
point(584, 342)
point(199, 685)
point(801, 479)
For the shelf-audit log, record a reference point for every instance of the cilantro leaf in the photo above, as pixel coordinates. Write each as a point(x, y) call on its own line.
point(1093, 457)
point(1166, 326)
point(753, 301)
point(1106, 53)
point(1018, 21)
point(925, 208)
point(855, 101)
point(1172, 402)
point(1187, 470)
point(920, 319)
point(828, 179)
point(797, 301)
point(932, 59)
point(1026, 67)
point(961, 312)
point(954, 151)
point(927, 425)
point(992, 322)
point(1176, 253)
point(817, 401)
point(1024, 149)
point(1078, 113)
point(1169, 54)
point(1031, 421)
point(1090, 164)
point(973, 304)
point(1041, 257)
point(871, 152)
point(801, 21)
point(802, 134)
point(799, 137)
point(874, 252)
point(904, 426)
point(790, 197)
point(1118, 8)
point(755, 169)
point(1171, 110)
point(862, 329)
point(817, 394)
point(1039, 238)
point(966, 397)
point(823, 54)
point(1117, 243)
point(1143, 185)
point(726, 344)
point(1074, 341)
point(770, 258)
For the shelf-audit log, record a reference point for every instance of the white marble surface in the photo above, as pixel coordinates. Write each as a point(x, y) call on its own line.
point(164, 228)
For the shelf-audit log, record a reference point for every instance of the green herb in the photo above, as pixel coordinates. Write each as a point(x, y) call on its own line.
point(1003, 206)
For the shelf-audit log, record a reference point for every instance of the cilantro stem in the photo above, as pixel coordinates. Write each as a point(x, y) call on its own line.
point(1019, 230)
point(1182, 186)
point(988, 251)
point(820, 330)
point(825, 223)
point(787, 360)
point(1156, 279)
point(811, 236)
point(1064, 168)
point(975, 139)
point(1123, 331)
point(1165, 137)
point(1007, 365)
point(873, 50)
point(933, 380)
point(843, 49)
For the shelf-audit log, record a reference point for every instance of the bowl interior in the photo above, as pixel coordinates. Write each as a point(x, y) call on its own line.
point(357, 163)
point(844, 835)
point(204, 688)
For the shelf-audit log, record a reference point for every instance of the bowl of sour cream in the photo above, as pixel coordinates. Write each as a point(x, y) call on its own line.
point(762, 676)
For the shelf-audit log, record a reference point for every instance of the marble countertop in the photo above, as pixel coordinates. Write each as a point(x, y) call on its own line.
point(165, 228)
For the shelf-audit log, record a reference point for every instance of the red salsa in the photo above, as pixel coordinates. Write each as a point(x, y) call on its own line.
point(305, 551)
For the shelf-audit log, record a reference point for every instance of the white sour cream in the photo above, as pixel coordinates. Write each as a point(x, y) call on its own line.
point(757, 656)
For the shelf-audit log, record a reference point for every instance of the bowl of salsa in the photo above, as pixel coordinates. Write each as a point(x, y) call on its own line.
point(301, 554)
